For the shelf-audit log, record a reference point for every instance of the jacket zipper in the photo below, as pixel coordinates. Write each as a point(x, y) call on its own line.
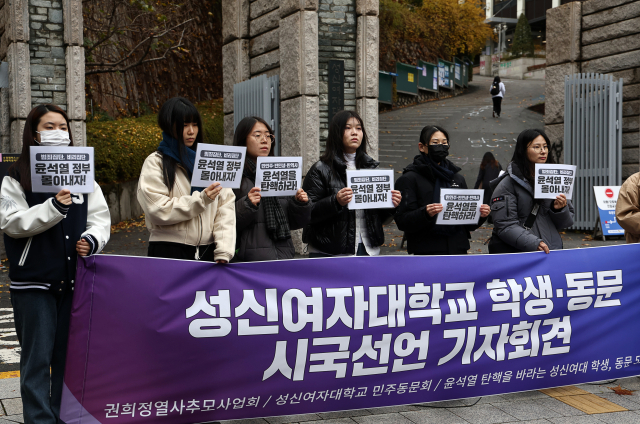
point(200, 226)
point(23, 258)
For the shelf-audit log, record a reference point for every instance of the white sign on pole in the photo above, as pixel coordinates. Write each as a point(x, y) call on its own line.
point(371, 188)
point(278, 176)
point(218, 163)
point(56, 168)
point(459, 207)
point(552, 180)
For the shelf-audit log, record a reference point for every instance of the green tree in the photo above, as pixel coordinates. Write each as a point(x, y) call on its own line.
point(522, 39)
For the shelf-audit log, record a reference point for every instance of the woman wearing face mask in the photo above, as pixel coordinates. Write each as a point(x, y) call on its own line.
point(420, 185)
point(263, 224)
point(43, 234)
point(334, 229)
point(184, 223)
point(522, 223)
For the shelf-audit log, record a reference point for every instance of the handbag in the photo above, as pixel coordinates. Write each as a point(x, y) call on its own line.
point(497, 245)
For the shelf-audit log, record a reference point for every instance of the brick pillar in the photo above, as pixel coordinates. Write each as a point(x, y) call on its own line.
point(367, 60)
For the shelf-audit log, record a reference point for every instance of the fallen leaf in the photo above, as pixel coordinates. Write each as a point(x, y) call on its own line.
point(620, 391)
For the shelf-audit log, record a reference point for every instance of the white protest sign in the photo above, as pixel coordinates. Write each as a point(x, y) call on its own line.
point(459, 207)
point(218, 163)
point(278, 176)
point(552, 180)
point(371, 188)
point(56, 168)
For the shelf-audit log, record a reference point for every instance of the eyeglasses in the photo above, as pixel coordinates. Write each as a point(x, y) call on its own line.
point(539, 148)
point(435, 141)
point(260, 137)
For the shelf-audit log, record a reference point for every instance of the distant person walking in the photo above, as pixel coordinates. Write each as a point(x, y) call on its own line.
point(497, 92)
point(489, 170)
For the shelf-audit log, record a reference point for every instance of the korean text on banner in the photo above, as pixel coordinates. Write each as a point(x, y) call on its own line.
point(278, 176)
point(552, 180)
point(459, 206)
point(371, 189)
point(218, 163)
point(199, 342)
point(55, 168)
point(606, 200)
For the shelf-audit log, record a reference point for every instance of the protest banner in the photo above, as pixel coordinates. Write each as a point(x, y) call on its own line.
point(218, 163)
point(55, 168)
point(371, 188)
point(459, 207)
point(552, 180)
point(198, 342)
point(606, 200)
point(278, 176)
point(6, 160)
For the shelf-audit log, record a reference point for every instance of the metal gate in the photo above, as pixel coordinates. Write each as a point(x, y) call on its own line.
point(592, 139)
point(259, 96)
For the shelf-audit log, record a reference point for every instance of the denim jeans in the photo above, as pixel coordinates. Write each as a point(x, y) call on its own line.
point(42, 326)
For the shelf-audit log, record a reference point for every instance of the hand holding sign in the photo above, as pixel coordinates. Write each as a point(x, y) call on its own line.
point(64, 197)
point(213, 190)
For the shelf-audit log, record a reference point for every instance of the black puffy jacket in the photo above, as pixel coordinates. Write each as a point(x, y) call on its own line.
point(333, 227)
point(416, 185)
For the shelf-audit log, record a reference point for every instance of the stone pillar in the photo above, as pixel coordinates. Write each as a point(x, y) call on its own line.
point(367, 59)
point(488, 8)
point(74, 59)
point(519, 7)
point(555, 3)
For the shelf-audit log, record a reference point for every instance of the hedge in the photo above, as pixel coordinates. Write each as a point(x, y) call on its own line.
point(121, 146)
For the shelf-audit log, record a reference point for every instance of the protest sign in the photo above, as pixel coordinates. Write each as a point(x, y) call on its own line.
point(606, 199)
point(218, 163)
point(278, 176)
point(341, 333)
point(459, 207)
point(552, 180)
point(371, 188)
point(55, 168)
point(6, 160)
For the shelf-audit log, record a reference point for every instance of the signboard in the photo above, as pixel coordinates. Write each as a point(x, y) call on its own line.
point(606, 199)
point(195, 342)
point(218, 163)
point(406, 81)
point(336, 87)
point(371, 188)
point(552, 180)
point(55, 168)
point(428, 79)
point(278, 176)
point(6, 160)
point(460, 207)
point(445, 74)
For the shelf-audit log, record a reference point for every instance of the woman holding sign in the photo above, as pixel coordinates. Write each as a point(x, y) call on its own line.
point(184, 223)
point(264, 224)
point(44, 233)
point(420, 185)
point(334, 228)
point(522, 223)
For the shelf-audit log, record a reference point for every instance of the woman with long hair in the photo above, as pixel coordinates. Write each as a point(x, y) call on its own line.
point(521, 222)
point(43, 234)
point(497, 92)
point(420, 184)
point(489, 170)
point(334, 228)
point(184, 223)
point(263, 225)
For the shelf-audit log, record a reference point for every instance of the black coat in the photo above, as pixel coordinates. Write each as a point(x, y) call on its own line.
point(417, 184)
point(485, 176)
point(333, 227)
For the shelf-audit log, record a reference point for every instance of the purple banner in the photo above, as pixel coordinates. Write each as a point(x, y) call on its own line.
point(167, 341)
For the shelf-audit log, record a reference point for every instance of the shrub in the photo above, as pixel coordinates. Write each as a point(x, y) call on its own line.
point(121, 146)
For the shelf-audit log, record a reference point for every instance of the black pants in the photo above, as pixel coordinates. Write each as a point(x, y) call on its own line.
point(362, 251)
point(165, 249)
point(497, 105)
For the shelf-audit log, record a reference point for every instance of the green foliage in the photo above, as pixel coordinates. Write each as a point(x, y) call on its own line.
point(522, 39)
point(121, 146)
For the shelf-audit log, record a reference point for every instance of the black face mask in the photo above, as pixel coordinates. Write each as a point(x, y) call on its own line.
point(437, 152)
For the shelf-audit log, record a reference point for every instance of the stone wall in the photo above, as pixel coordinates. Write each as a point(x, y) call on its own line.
point(599, 36)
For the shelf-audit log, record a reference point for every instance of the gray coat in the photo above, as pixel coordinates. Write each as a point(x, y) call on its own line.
point(253, 242)
point(511, 204)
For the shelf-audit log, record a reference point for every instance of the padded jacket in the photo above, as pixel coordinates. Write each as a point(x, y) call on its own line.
point(628, 208)
point(253, 241)
point(512, 203)
point(332, 228)
point(416, 185)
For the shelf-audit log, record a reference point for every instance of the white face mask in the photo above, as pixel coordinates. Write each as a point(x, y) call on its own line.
point(54, 138)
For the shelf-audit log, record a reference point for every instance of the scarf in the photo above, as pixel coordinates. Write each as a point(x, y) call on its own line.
point(275, 219)
point(186, 157)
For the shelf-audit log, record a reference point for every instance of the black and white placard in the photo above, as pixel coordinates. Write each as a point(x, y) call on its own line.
point(55, 168)
point(218, 163)
point(459, 207)
point(552, 180)
point(371, 188)
point(278, 176)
